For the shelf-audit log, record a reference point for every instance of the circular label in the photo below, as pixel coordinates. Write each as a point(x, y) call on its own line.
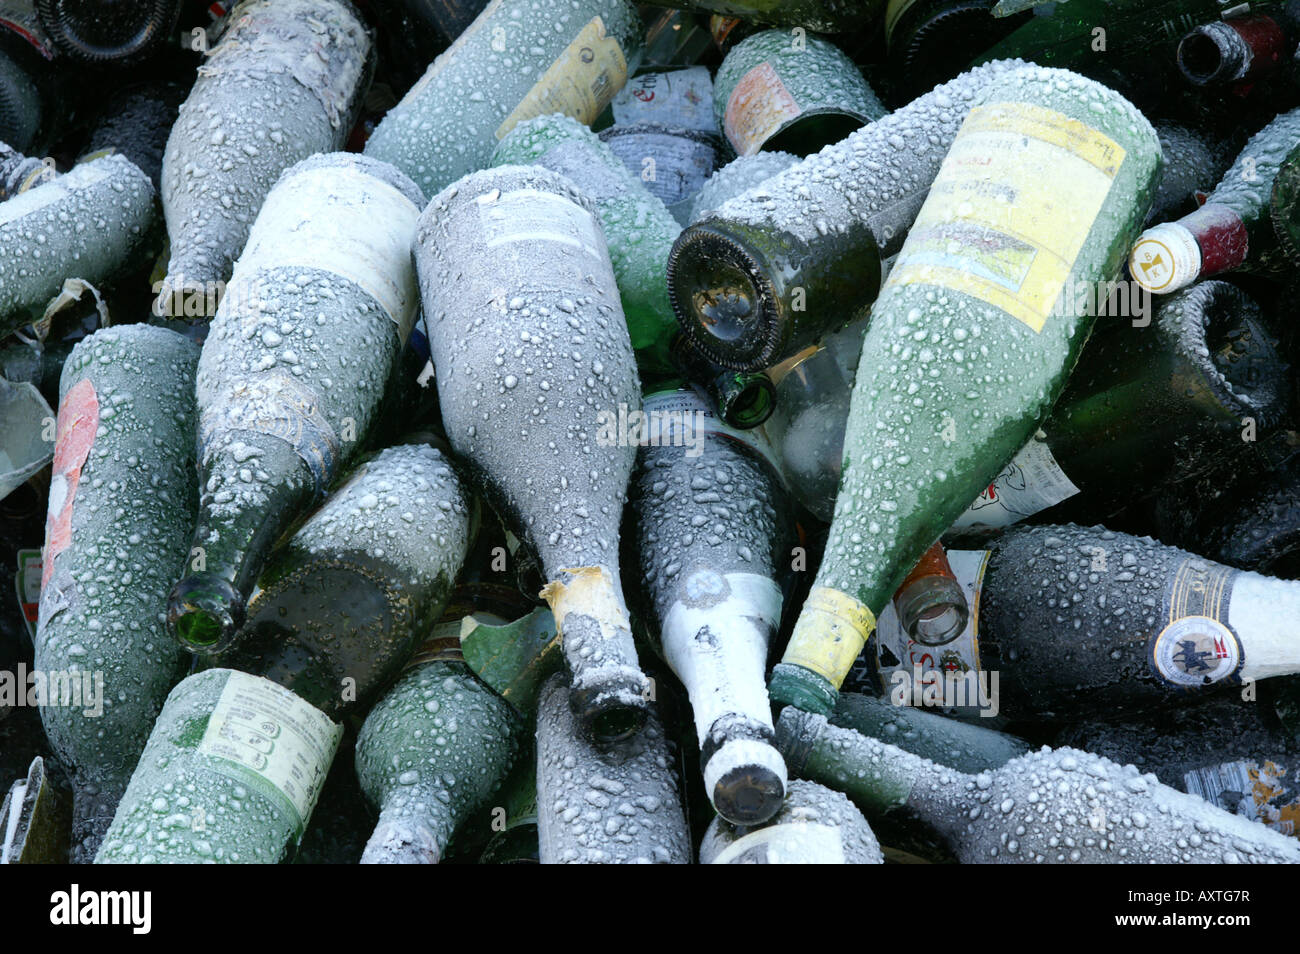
point(1165, 258)
point(1196, 651)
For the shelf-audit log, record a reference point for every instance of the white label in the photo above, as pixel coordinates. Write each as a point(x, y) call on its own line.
point(798, 843)
point(262, 733)
point(530, 216)
point(681, 98)
point(1195, 651)
point(57, 190)
point(343, 221)
point(1265, 613)
point(670, 414)
point(1032, 482)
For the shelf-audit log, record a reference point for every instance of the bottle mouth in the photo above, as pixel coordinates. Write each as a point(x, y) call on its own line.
point(723, 299)
point(204, 613)
point(610, 713)
point(752, 404)
point(1211, 54)
point(1229, 339)
point(748, 795)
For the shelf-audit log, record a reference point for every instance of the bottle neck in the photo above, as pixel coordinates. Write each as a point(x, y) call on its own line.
point(414, 828)
point(1265, 614)
point(1233, 50)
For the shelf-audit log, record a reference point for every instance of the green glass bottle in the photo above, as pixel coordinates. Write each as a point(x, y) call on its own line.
point(432, 751)
point(341, 605)
point(967, 348)
point(520, 59)
point(822, 16)
point(293, 370)
point(789, 92)
point(121, 496)
point(1233, 229)
point(742, 399)
point(1059, 806)
point(285, 82)
point(930, 41)
point(798, 256)
point(736, 177)
point(638, 227)
point(514, 838)
point(815, 826)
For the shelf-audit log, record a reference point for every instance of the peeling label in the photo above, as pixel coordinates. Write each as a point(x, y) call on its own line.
point(757, 108)
point(77, 425)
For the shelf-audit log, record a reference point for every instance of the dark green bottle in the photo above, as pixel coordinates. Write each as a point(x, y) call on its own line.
point(743, 399)
point(121, 496)
point(968, 346)
point(798, 256)
point(930, 41)
point(514, 822)
point(293, 371)
point(823, 16)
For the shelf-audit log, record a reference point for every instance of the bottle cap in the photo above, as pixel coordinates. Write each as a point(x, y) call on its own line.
point(1165, 258)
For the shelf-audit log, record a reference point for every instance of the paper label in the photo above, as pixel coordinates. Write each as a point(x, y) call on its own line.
point(1196, 647)
point(1265, 792)
point(960, 656)
point(530, 216)
point(798, 843)
point(758, 107)
point(831, 630)
point(673, 417)
point(1032, 482)
point(77, 425)
point(344, 221)
point(1011, 208)
point(277, 406)
point(580, 83)
point(27, 583)
point(262, 734)
point(678, 98)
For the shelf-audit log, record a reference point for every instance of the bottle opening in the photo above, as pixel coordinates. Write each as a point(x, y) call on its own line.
point(199, 628)
point(937, 625)
point(615, 725)
point(1205, 56)
point(752, 405)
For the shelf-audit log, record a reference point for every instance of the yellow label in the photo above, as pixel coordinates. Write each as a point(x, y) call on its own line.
point(831, 631)
point(580, 83)
point(1010, 209)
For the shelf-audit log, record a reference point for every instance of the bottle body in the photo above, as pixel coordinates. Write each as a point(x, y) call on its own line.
point(816, 826)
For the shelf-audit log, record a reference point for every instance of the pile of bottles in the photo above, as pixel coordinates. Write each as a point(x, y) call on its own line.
point(578, 431)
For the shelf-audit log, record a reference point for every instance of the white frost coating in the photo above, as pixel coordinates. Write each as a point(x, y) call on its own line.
point(343, 221)
point(1165, 258)
point(719, 651)
point(16, 796)
point(740, 754)
point(62, 189)
point(531, 215)
point(1265, 614)
point(798, 843)
point(689, 408)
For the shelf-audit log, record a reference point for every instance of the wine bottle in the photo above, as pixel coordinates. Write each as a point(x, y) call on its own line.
point(1058, 806)
point(959, 370)
point(136, 123)
point(89, 223)
point(106, 33)
point(791, 93)
point(375, 563)
point(283, 83)
point(1241, 48)
point(1232, 230)
point(1258, 527)
point(520, 59)
point(638, 229)
point(332, 241)
point(710, 524)
point(929, 602)
point(930, 41)
point(514, 838)
point(121, 499)
point(29, 83)
point(534, 372)
point(736, 177)
point(815, 826)
point(742, 399)
point(821, 16)
point(615, 804)
point(431, 752)
point(1193, 163)
point(784, 264)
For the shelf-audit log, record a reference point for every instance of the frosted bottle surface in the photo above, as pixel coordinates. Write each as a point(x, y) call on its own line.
point(121, 501)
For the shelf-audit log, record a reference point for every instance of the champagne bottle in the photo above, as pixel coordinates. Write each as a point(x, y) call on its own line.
point(534, 372)
point(615, 804)
point(736, 177)
point(710, 526)
point(1058, 806)
point(1241, 48)
point(520, 59)
point(815, 826)
point(283, 83)
point(742, 399)
point(638, 229)
point(957, 369)
point(779, 267)
point(107, 33)
point(332, 241)
point(121, 497)
point(821, 16)
point(431, 752)
point(930, 41)
point(1082, 622)
point(790, 93)
point(1232, 230)
point(342, 604)
point(89, 223)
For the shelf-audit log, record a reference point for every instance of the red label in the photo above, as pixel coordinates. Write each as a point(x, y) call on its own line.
point(78, 423)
